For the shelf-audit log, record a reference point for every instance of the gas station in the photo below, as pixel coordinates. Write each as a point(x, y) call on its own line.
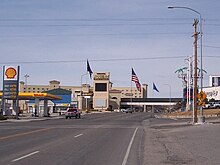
point(37, 97)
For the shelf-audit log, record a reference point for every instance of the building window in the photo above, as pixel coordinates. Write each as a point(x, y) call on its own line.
point(100, 87)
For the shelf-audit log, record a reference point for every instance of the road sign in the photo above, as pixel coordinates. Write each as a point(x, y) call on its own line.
point(201, 103)
point(201, 96)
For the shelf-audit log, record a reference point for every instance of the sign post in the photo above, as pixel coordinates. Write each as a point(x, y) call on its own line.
point(201, 96)
point(10, 86)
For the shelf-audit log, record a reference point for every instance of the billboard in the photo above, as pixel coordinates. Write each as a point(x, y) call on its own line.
point(215, 81)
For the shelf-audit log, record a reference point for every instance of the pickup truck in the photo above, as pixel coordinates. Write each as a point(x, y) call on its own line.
point(209, 105)
point(72, 112)
point(212, 105)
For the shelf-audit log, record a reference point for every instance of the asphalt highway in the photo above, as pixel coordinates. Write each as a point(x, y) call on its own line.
point(109, 139)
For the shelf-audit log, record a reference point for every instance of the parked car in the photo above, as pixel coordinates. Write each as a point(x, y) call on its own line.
point(122, 110)
point(72, 112)
point(128, 110)
point(116, 110)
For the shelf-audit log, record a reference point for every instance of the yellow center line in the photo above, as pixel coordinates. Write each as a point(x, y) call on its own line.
point(24, 133)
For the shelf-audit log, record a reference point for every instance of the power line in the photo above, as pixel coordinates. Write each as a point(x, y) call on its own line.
point(93, 25)
point(94, 60)
point(90, 20)
point(96, 34)
point(100, 60)
point(209, 46)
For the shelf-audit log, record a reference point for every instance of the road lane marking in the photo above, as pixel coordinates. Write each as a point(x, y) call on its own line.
point(24, 133)
point(129, 148)
point(25, 156)
point(78, 135)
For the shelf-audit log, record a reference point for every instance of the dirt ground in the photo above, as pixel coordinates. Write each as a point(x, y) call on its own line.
point(206, 113)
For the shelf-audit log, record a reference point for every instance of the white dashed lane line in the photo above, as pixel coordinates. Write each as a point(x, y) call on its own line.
point(129, 148)
point(25, 156)
point(78, 135)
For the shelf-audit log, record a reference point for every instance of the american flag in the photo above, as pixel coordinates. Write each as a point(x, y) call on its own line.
point(134, 78)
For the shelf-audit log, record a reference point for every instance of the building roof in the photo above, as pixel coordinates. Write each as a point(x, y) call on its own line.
point(59, 91)
point(32, 96)
point(54, 81)
point(151, 99)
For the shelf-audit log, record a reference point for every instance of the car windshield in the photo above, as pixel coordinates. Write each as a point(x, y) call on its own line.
point(72, 110)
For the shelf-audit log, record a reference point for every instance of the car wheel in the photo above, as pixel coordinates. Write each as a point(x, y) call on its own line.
point(66, 117)
point(79, 116)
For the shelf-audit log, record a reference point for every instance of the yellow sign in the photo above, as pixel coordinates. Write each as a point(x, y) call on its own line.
point(39, 94)
point(201, 103)
point(201, 96)
point(101, 76)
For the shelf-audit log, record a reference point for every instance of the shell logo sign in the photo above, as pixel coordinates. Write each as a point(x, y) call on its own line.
point(10, 84)
point(11, 73)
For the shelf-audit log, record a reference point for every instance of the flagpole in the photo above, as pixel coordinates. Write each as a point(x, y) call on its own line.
point(153, 105)
point(131, 91)
point(81, 91)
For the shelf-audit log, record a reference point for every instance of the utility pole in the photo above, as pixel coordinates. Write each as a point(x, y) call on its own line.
point(195, 35)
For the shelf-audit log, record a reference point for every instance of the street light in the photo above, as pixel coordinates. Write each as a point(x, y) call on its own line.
point(81, 91)
point(26, 77)
point(201, 63)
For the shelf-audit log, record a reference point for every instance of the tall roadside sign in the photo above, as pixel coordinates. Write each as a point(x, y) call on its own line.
point(11, 86)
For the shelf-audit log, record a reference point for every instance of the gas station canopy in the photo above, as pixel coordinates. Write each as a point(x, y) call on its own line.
point(33, 96)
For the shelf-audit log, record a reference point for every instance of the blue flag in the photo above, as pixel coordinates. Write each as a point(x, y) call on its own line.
point(89, 69)
point(155, 88)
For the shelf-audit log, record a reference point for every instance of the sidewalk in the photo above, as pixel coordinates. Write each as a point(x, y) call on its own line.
point(29, 117)
point(212, 116)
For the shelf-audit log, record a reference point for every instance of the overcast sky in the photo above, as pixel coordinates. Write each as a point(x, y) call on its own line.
point(52, 39)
